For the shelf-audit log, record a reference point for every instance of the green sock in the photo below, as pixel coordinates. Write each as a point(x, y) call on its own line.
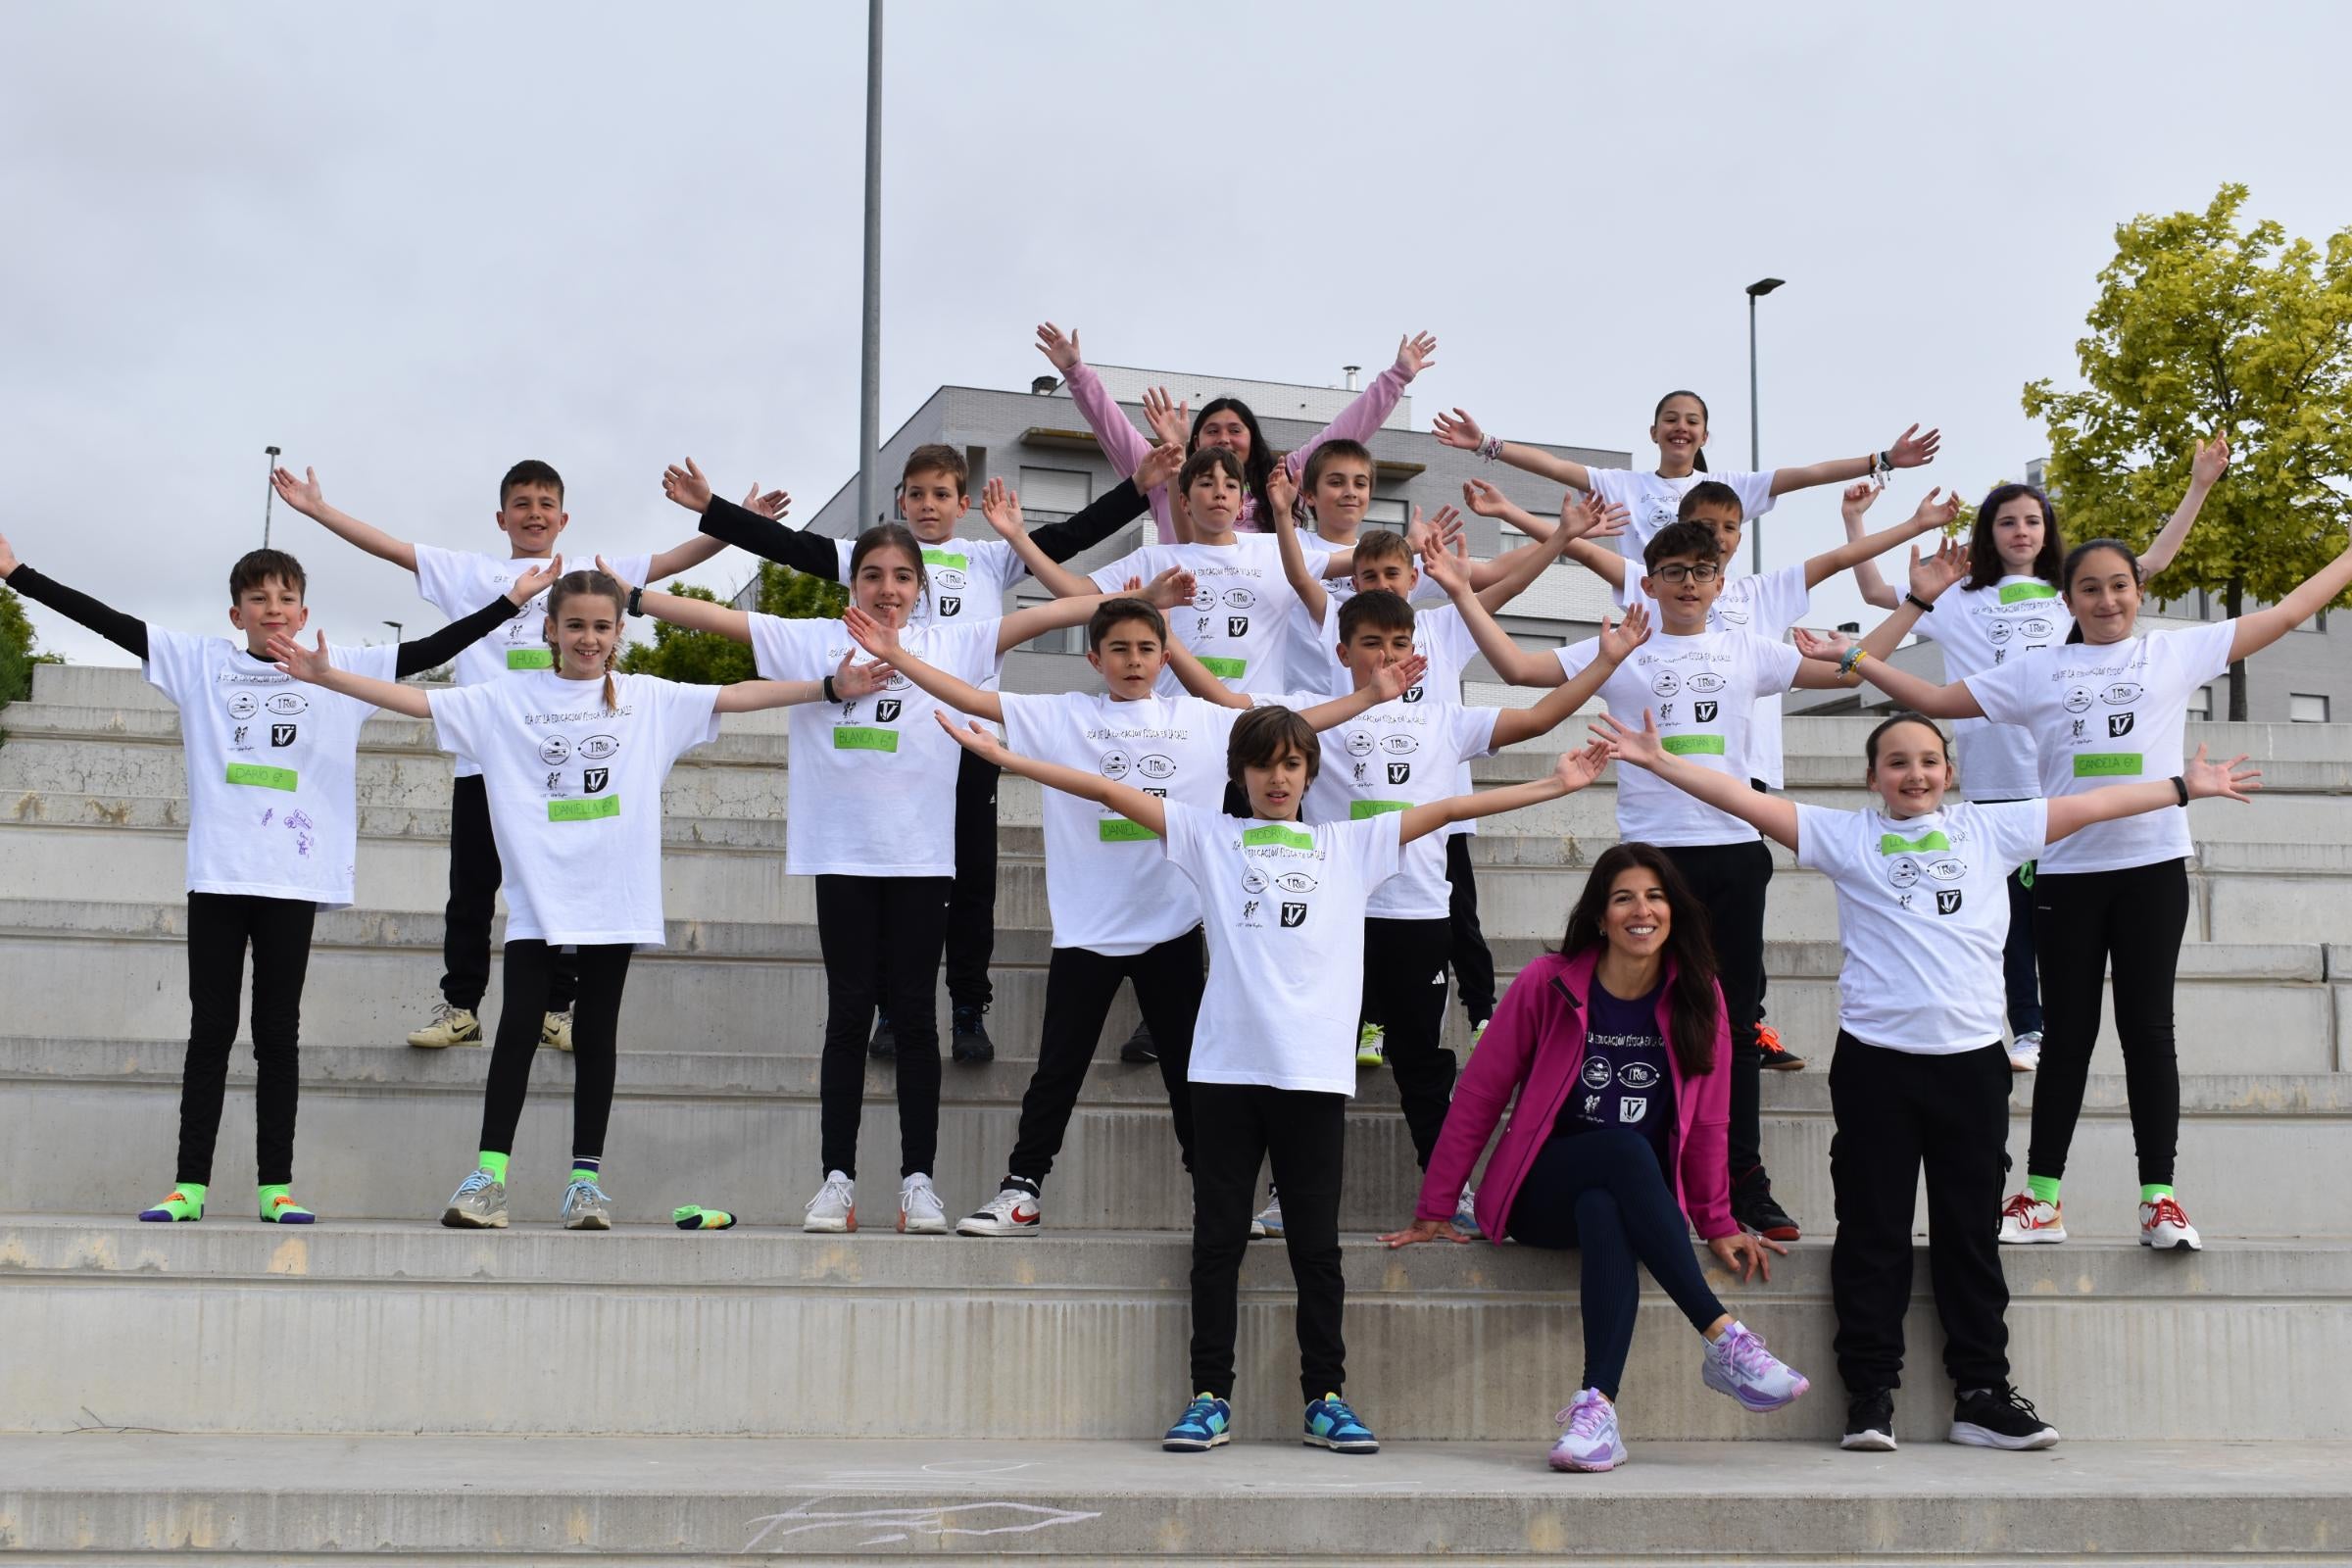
point(277, 1203)
point(185, 1202)
point(579, 1174)
point(2149, 1192)
point(694, 1217)
point(2044, 1187)
point(494, 1163)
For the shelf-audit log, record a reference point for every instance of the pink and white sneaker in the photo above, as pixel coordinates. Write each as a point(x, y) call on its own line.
point(2165, 1228)
point(1738, 1364)
point(2026, 1220)
point(1589, 1442)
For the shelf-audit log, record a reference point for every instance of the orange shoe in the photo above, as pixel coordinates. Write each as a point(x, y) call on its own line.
point(1777, 1056)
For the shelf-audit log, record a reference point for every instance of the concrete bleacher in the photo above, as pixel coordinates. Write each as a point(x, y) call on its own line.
point(230, 1387)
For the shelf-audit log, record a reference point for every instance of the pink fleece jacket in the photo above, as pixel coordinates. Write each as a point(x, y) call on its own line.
point(1124, 445)
point(1535, 1048)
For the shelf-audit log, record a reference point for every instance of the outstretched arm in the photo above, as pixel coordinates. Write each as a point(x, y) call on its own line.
point(1145, 811)
point(883, 643)
point(1390, 682)
point(758, 531)
point(1911, 450)
point(1609, 566)
point(850, 679)
point(1576, 770)
point(1107, 513)
point(1164, 592)
point(685, 556)
point(440, 647)
point(1858, 499)
point(2205, 780)
point(1371, 408)
point(1194, 676)
point(2265, 627)
point(2205, 469)
point(1001, 507)
point(1457, 429)
point(127, 632)
point(1825, 666)
point(305, 496)
point(1773, 816)
point(312, 665)
point(1930, 579)
point(1617, 642)
point(1933, 516)
point(695, 615)
point(1305, 584)
point(1511, 662)
point(1579, 520)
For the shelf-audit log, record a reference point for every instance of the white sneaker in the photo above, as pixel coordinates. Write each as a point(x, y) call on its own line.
point(2164, 1227)
point(1269, 1219)
point(920, 1212)
point(2025, 1051)
point(2026, 1220)
point(834, 1208)
point(1589, 1442)
point(1013, 1211)
point(1465, 1214)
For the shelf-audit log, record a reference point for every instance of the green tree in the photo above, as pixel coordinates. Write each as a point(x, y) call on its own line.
point(707, 658)
point(2203, 325)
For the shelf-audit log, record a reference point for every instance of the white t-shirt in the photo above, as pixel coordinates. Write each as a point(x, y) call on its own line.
point(1306, 649)
point(1982, 630)
point(1106, 880)
point(969, 581)
point(1765, 604)
point(1923, 911)
point(1656, 501)
point(1440, 635)
point(575, 794)
point(273, 809)
point(459, 582)
point(1283, 909)
point(873, 779)
point(1704, 691)
point(2112, 714)
point(1242, 603)
point(1392, 757)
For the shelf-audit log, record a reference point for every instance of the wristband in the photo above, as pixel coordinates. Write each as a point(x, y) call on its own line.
point(1913, 599)
point(1491, 448)
point(827, 690)
point(637, 599)
point(1850, 661)
point(2181, 788)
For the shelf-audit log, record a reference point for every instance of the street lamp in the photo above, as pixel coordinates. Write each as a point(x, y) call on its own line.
point(396, 626)
point(1755, 446)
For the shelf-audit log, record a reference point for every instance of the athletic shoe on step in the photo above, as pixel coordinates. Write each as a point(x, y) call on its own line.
point(1738, 1364)
point(1870, 1422)
point(1269, 1218)
point(834, 1208)
point(2025, 1051)
point(451, 1026)
point(969, 1041)
point(1330, 1424)
point(1139, 1048)
point(1465, 1214)
point(1477, 1032)
point(177, 1206)
point(920, 1212)
point(1371, 1046)
point(478, 1205)
point(1999, 1418)
point(884, 1047)
point(1013, 1211)
point(587, 1207)
point(2165, 1228)
point(1588, 1440)
point(555, 1031)
point(1206, 1423)
point(2026, 1220)
point(1777, 1056)
point(1757, 1210)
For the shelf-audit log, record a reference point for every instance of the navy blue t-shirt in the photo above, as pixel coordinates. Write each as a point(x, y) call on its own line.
point(1625, 1081)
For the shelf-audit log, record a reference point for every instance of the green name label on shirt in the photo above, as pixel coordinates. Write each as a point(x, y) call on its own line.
point(1895, 844)
point(1118, 830)
point(1224, 668)
point(861, 738)
point(2108, 765)
point(587, 810)
point(261, 777)
point(1276, 833)
point(945, 558)
point(530, 658)
point(2027, 590)
point(1357, 810)
point(1688, 745)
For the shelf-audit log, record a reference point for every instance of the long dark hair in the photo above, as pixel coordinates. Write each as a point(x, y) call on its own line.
point(2074, 560)
point(1689, 947)
point(1699, 454)
point(1985, 567)
point(1257, 467)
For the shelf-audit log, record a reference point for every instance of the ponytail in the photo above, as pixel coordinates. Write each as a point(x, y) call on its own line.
point(1698, 461)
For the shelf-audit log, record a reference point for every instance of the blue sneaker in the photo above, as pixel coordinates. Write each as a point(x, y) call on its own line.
point(1330, 1424)
point(1206, 1423)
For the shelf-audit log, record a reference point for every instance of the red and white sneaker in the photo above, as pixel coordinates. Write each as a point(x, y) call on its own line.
point(1013, 1211)
point(1777, 1056)
point(2027, 1219)
point(2165, 1228)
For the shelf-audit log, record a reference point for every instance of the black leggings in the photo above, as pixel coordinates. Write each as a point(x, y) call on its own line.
point(972, 907)
point(1728, 881)
point(474, 873)
point(2133, 920)
point(1236, 1128)
point(1473, 963)
point(601, 971)
point(219, 925)
point(2017, 953)
point(1079, 986)
point(1603, 1193)
point(881, 937)
point(1405, 988)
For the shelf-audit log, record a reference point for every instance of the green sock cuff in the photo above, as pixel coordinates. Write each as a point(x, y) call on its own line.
point(581, 1175)
point(2044, 1187)
point(2149, 1192)
point(491, 1161)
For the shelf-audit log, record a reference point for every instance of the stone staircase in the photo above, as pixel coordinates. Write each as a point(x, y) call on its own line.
point(230, 1391)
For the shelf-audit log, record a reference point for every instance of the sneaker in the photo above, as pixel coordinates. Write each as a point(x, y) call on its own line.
point(2165, 1228)
point(451, 1026)
point(1371, 1046)
point(1139, 1048)
point(478, 1205)
point(555, 1031)
point(2027, 1219)
point(1738, 1364)
point(1330, 1424)
point(1589, 1442)
point(968, 1037)
point(1206, 1423)
point(1269, 1218)
point(1870, 1422)
point(587, 1207)
point(1013, 1211)
point(834, 1208)
point(1465, 1214)
point(884, 1047)
point(1477, 1032)
point(1777, 1056)
point(1755, 1208)
point(920, 1212)
point(1999, 1418)
point(2025, 1051)
point(180, 1205)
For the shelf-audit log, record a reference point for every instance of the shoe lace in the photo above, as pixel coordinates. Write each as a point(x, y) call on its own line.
point(480, 1182)
point(1768, 1039)
point(1743, 1350)
point(583, 1191)
point(444, 1010)
point(921, 1196)
point(839, 1191)
point(1199, 1413)
point(1336, 1411)
point(1586, 1417)
point(2018, 1208)
point(2011, 1399)
point(2166, 1212)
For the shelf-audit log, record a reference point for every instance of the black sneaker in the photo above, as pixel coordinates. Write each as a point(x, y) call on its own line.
point(1870, 1421)
point(1755, 1208)
point(884, 1047)
point(970, 1042)
point(1999, 1418)
point(1139, 1048)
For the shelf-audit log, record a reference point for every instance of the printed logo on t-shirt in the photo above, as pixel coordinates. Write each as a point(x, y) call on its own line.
point(1948, 901)
point(594, 779)
point(1633, 1107)
point(281, 734)
point(2037, 628)
point(1294, 914)
point(2119, 725)
point(1702, 713)
point(1412, 696)
point(2078, 700)
point(1596, 1072)
point(949, 604)
point(1359, 743)
point(1636, 1075)
point(597, 748)
point(1241, 599)
point(243, 705)
point(1115, 766)
point(1399, 744)
point(1157, 767)
point(1666, 683)
point(287, 704)
point(2000, 631)
point(1400, 772)
point(1236, 627)
point(887, 711)
point(554, 750)
point(1706, 682)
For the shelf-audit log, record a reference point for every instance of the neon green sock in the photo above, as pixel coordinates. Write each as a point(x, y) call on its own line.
point(491, 1161)
point(2044, 1187)
point(580, 1174)
point(694, 1217)
point(185, 1202)
point(2149, 1192)
point(277, 1203)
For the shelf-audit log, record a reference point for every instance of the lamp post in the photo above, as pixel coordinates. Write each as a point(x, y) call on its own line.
point(269, 491)
point(869, 370)
point(1755, 444)
point(397, 628)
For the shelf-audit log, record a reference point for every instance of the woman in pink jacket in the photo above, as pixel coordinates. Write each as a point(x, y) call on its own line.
point(1619, 1053)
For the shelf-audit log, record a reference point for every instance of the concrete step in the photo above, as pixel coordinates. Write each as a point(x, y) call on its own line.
point(677, 1501)
point(406, 1327)
point(386, 1133)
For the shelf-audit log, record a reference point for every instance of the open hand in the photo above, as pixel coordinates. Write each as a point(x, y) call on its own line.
point(1001, 504)
point(974, 737)
point(625, 585)
point(1935, 515)
point(1911, 450)
point(1416, 354)
point(1482, 498)
point(2205, 779)
point(2211, 460)
point(1281, 493)
point(1828, 646)
point(853, 679)
point(1618, 642)
point(1856, 499)
point(1945, 565)
point(1392, 681)
point(877, 637)
point(687, 486)
point(1741, 1253)
point(536, 581)
point(1159, 466)
point(1171, 589)
point(1459, 430)
point(303, 663)
point(303, 494)
point(1577, 769)
point(1444, 570)
point(1171, 421)
point(1058, 346)
point(1424, 1230)
point(1640, 747)
point(772, 504)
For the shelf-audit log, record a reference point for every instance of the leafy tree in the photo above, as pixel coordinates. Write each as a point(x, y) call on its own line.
point(2204, 326)
point(708, 659)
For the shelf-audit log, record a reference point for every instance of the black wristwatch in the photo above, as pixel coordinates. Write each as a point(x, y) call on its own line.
point(637, 599)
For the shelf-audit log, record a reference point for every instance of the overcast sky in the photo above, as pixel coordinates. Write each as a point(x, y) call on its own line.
point(412, 244)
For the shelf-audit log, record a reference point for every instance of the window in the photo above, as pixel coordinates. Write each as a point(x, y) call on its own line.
point(1060, 640)
point(1056, 489)
point(2201, 703)
point(1388, 512)
point(2304, 708)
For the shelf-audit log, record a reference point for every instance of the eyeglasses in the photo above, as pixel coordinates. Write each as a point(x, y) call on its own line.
point(1678, 573)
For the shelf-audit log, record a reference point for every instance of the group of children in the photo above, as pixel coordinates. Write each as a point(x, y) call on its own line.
point(1279, 719)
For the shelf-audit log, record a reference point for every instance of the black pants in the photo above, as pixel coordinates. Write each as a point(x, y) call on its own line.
point(972, 907)
point(1728, 881)
point(881, 937)
point(1603, 1193)
point(1236, 1127)
point(599, 972)
point(474, 874)
point(2017, 953)
point(1405, 987)
point(1898, 1112)
point(2133, 920)
point(1079, 986)
point(1473, 964)
point(220, 926)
